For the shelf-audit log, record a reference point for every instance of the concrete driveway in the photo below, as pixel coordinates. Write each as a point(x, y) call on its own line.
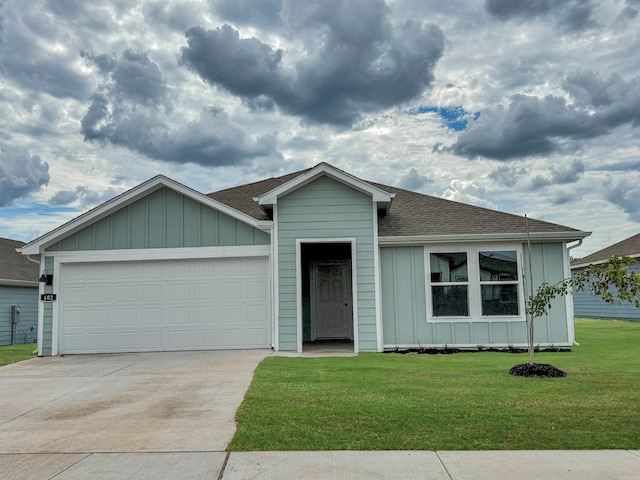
point(140, 402)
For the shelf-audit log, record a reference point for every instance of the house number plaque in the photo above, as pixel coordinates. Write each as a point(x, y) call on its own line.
point(48, 297)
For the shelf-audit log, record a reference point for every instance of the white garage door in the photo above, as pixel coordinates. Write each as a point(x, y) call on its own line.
point(144, 306)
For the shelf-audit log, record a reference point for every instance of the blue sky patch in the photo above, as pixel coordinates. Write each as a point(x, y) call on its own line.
point(455, 118)
point(38, 209)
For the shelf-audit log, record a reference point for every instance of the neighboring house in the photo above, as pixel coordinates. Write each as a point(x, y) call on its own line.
point(591, 306)
point(314, 255)
point(18, 295)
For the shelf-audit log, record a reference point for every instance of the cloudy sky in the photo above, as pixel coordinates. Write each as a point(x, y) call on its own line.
point(526, 107)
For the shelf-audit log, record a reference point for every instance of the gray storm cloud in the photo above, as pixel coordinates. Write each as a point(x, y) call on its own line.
point(263, 13)
point(131, 109)
point(530, 125)
point(570, 15)
point(83, 195)
point(560, 175)
point(625, 193)
point(21, 174)
point(355, 61)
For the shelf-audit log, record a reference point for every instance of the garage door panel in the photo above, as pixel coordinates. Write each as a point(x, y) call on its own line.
point(124, 293)
point(179, 339)
point(75, 295)
point(151, 293)
point(206, 291)
point(256, 289)
point(127, 341)
point(204, 314)
point(150, 340)
point(232, 337)
point(204, 338)
point(150, 317)
point(98, 317)
point(256, 336)
point(164, 305)
point(126, 317)
point(180, 291)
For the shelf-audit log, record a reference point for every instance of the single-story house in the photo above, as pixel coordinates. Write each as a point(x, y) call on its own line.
point(314, 255)
point(591, 306)
point(18, 295)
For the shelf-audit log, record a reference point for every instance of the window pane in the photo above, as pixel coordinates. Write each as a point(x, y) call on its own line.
point(450, 301)
point(449, 267)
point(499, 299)
point(498, 266)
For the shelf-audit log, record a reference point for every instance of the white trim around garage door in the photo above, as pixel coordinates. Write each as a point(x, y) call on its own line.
point(132, 255)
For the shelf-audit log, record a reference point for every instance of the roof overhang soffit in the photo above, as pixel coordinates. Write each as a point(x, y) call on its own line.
point(38, 245)
point(381, 198)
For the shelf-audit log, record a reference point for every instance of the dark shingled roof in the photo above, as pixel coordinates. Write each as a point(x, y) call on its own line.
point(411, 213)
point(629, 247)
point(15, 266)
point(241, 197)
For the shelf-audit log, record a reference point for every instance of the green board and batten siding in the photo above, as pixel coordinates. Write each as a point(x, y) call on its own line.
point(548, 265)
point(47, 313)
point(404, 314)
point(326, 208)
point(163, 219)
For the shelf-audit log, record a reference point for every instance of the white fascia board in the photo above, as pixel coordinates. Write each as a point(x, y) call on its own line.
point(271, 197)
point(38, 245)
point(537, 236)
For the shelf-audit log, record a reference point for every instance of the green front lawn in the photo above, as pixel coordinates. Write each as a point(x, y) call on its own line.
point(464, 401)
point(16, 353)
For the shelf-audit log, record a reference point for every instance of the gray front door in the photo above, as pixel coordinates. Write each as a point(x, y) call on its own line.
point(331, 300)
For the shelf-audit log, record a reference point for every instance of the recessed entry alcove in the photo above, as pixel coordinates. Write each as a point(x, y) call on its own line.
point(327, 295)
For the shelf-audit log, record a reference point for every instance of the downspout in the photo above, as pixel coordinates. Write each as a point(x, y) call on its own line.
point(574, 246)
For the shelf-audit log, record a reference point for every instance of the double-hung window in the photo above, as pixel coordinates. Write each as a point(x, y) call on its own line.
point(499, 282)
point(449, 284)
point(474, 283)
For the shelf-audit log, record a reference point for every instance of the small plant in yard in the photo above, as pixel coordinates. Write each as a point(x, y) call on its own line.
point(597, 279)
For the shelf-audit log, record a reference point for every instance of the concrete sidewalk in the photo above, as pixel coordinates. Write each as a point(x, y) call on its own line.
point(445, 465)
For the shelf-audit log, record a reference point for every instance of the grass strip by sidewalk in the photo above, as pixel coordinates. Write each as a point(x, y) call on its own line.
point(16, 353)
point(464, 401)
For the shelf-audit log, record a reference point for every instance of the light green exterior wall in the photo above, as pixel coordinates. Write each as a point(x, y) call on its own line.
point(163, 219)
point(403, 296)
point(548, 265)
point(47, 310)
point(404, 304)
point(326, 208)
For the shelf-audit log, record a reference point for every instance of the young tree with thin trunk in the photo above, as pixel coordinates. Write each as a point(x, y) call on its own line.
point(595, 279)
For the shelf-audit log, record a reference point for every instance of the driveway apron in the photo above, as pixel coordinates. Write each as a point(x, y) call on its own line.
point(134, 402)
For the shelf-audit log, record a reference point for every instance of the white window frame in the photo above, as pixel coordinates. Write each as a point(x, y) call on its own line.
point(474, 283)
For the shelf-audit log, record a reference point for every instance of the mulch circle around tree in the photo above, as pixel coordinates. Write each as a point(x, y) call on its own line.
point(536, 370)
